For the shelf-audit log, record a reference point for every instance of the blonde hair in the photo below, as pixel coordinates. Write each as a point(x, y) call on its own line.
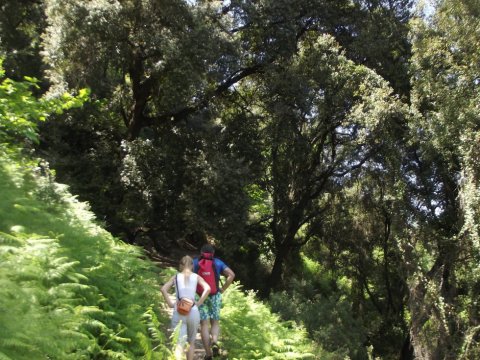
point(186, 262)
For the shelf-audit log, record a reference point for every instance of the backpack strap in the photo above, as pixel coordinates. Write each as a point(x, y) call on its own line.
point(176, 288)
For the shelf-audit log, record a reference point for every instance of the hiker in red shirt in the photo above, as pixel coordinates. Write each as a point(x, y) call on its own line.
point(210, 269)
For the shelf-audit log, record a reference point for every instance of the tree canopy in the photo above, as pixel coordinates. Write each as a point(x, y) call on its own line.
point(329, 149)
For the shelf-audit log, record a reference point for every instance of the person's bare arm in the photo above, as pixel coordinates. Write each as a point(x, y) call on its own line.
point(230, 275)
point(206, 290)
point(165, 289)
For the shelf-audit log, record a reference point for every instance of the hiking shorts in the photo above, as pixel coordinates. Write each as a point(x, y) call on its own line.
point(210, 309)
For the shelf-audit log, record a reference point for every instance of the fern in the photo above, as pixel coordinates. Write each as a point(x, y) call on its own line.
point(251, 331)
point(72, 291)
point(154, 345)
point(18, 344)
point(4, 357)
point(113, 355)
point(146, 345)
point(7, 240)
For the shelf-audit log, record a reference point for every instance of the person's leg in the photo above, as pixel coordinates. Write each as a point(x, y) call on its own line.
point(215, 323)
point(182, 340)
point(191, 350)
point(205, 332)
point(205, 315)
point(214, 330)
point(182, 335)
point(192, 327)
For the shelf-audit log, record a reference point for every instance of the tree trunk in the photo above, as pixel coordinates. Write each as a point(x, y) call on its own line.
point(141, 89)
point(407, 349)
point(275, 277)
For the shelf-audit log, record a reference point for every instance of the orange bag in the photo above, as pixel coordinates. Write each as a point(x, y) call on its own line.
point(184, 305)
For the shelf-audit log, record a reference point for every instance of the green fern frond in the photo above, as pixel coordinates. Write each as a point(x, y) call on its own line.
point(74, 335)
point(8, 250)
point(113, 355)
point(20, 345)
point(41, 244)
point(88, 310)
point(146, 346)
point(77, 277)
point(60, 271)
point(94, 326)
point(4, 357)
point(60, 261)
point(7, 239)
point(69, 287)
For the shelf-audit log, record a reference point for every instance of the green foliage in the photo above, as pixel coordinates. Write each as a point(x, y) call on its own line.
point(445, 99)
point(154, 342)
point(321, 302)
point(380, 40)
point(21, 26)
point(244, 120)
point(251, 331)
point(324, 118)
point(58, 265)
point(20, 110)
point(71, 290)
point(329, 321)
point(127, 51)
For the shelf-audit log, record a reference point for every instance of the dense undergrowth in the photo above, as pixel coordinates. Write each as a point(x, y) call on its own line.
point(70, 290)
point(251, 331)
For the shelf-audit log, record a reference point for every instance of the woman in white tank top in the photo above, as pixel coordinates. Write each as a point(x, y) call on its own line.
point(186, 282)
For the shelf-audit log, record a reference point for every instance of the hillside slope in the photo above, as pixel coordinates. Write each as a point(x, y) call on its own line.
point(69, 290)
point(74, 292)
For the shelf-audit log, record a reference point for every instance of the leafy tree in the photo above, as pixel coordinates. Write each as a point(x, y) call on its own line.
point(157, 72)
point(21, 111)
point(156, 60)
point(169, 70)
point(324, 118)
point(445, 75)
point(375, 34)
point(21, 25)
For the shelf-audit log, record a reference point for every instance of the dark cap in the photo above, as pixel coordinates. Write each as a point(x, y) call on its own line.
point(207, 248)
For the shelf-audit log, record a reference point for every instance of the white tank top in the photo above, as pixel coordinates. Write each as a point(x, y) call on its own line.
point(187, 290)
